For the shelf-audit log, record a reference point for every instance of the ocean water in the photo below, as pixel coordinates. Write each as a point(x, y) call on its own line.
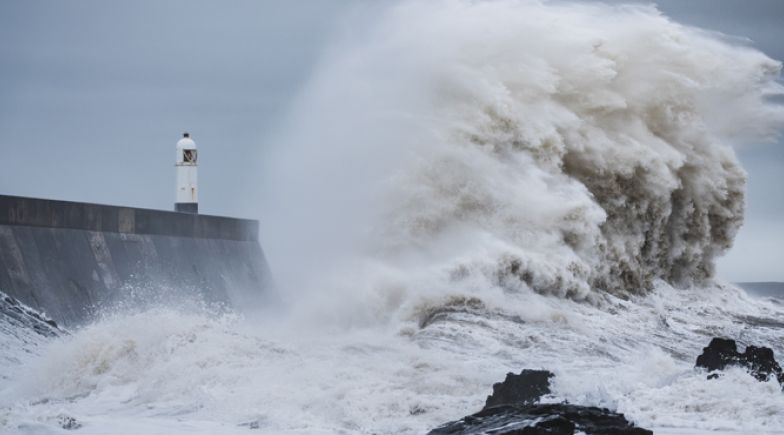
point(163, 370)
point(463, 189)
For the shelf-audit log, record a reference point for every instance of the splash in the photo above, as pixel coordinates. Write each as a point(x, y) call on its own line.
point(560, 147)
point(173, 370)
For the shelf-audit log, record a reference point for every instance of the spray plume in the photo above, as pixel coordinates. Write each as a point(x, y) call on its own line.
point(560, 147)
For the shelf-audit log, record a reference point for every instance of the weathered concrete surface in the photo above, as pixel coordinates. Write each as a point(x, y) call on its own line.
point(69, 259)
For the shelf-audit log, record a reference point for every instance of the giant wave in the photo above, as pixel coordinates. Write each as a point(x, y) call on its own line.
point(562, 147)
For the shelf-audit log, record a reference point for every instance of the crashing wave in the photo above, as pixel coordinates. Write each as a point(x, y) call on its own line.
point(555, 146)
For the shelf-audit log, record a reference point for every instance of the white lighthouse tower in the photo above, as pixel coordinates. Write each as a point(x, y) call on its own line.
point(187, 191)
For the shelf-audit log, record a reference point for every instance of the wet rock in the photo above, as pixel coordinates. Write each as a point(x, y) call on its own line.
point(19, 315)
point(542, 419)
point(526, 388)
point(512, 409)
point(723, 352)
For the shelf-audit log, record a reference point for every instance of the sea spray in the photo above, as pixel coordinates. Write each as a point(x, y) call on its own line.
point(563, 147)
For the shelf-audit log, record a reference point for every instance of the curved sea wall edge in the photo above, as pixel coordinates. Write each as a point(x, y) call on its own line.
point(69, 259)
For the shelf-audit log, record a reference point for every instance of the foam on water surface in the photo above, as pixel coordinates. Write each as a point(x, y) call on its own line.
point(164, 371)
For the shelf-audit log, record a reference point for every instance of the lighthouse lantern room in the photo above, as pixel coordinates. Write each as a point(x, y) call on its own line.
point(187, 190)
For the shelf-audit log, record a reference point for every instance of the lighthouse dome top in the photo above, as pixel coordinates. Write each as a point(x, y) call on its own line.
point(186, 142)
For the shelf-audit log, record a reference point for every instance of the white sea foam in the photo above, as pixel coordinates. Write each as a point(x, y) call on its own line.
point(168, 371)
point(464, 189)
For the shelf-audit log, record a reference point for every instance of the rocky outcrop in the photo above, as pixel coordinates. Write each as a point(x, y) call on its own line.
point(15, 315)
point(526, 388)
point(542, 419)
point(513, 409)
point(722, 353)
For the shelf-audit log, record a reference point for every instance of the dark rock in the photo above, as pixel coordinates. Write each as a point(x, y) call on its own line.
point(513, 409)
point(759, 361)
point(526, 388)
point(19, 315)
point(763, 364)
point(542, 419)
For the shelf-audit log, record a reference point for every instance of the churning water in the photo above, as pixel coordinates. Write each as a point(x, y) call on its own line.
point(463, 189)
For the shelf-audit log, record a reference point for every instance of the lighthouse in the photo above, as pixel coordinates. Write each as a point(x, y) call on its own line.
point(187, 191)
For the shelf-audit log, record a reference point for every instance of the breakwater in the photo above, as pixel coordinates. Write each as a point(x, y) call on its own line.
point(69, 259)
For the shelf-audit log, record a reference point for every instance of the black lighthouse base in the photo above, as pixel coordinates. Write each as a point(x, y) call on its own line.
point(187, 207)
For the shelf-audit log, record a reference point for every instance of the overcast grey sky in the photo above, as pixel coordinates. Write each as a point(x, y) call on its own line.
point(94, 94)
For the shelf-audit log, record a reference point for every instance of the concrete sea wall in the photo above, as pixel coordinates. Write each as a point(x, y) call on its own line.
point(70, 259)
